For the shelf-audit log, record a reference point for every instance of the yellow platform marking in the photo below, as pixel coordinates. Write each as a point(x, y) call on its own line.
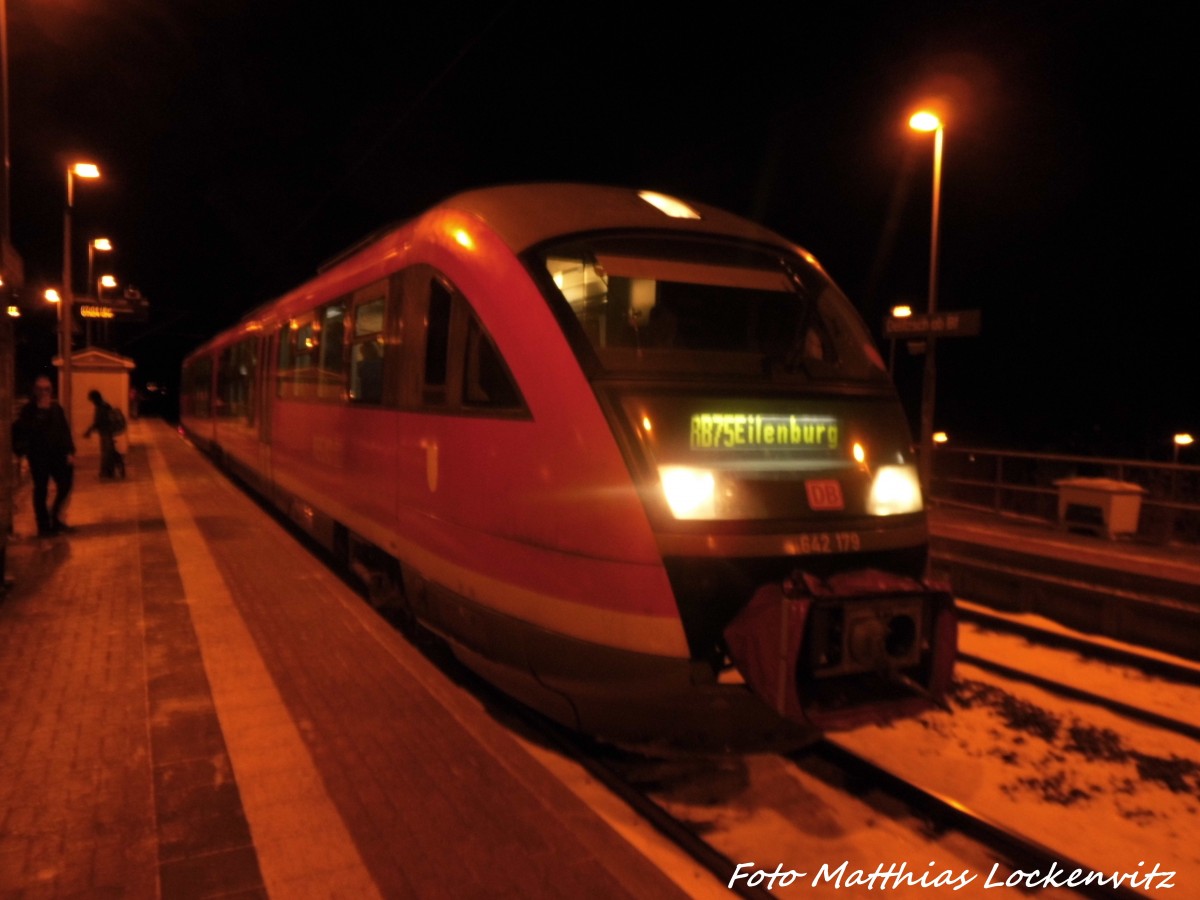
point(303, 846)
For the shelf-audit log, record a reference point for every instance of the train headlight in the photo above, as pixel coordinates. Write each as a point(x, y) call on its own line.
point(690, 492)
point(895, 490)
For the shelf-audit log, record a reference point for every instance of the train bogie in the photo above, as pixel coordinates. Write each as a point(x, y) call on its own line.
point(577, 431)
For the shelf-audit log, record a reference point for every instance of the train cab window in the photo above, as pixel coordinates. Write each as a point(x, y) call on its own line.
point(367, 346)
point(331, 373)
point(660, 307)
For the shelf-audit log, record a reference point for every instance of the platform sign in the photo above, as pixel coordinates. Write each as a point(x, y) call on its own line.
point(953, 323)
point(130, 308)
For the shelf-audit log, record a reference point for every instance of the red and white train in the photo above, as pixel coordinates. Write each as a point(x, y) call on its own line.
point(635, 459)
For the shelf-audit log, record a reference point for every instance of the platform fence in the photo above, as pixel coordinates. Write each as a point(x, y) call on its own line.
point(1023, 484)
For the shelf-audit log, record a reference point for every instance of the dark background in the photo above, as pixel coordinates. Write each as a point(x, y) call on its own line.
point(243, 143)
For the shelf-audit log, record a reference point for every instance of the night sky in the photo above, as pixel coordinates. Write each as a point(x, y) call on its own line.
point(243, 143)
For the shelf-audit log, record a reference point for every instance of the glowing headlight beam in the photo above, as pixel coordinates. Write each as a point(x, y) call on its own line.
point(895, 490)
point(690, 492)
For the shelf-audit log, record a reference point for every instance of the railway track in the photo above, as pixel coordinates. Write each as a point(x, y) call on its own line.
point(1169, 670)
point(1020, 851)
point(1014, 852)
point(1182, 672)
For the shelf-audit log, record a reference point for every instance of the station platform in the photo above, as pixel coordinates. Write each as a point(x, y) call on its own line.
point(1128, 590)
point(193, 705)
point(1177, 563)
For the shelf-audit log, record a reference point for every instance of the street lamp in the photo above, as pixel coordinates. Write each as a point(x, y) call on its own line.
point(928, 121)
point(104, 245)
point(1181, 440)
point(898, 312)
point(82, 170)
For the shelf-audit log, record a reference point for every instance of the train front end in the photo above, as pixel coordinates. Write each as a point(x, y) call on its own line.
point(774, 463)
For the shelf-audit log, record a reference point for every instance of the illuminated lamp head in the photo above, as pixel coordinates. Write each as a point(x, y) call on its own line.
point(670, 206)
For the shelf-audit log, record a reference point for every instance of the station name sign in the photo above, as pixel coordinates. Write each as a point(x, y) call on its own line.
point(955, 323)
point(124, 309)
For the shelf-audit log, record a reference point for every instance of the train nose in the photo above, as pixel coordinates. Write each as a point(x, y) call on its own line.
point(882, 641)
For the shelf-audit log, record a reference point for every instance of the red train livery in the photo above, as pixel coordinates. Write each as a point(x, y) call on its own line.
point(637, 460)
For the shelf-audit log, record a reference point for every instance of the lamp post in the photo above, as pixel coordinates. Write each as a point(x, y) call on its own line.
point(104, 245)
point(928, 121)
point(83, 170)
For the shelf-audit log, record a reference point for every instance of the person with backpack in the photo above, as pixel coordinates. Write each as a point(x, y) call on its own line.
point(108, 422)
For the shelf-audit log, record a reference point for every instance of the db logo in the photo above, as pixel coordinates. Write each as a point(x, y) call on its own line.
point(825, 493)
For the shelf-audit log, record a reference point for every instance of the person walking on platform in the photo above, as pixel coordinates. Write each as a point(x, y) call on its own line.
point(41, 434)
point(105, 423)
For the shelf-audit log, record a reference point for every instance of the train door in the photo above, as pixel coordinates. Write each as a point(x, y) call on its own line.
point(456, 380)
point(373, 352)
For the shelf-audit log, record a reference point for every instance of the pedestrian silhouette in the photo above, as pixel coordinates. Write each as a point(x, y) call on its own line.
point(41, 434)
point(105, 424)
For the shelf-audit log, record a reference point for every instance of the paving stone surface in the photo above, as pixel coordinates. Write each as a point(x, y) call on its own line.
point(193, 705)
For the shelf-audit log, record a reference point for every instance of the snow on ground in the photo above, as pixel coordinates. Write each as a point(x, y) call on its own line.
point(1130, 685)
point(1114, 794)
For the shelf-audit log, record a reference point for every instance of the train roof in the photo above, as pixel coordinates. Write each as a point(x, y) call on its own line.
point(525, 215)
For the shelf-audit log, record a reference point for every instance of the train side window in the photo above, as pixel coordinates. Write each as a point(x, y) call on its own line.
point(296, 374)
point(331, 373)
point(198, 387)
point(236, 372)
point(307, 340)
point(486, 379)
point(437, 342)
point(367, 351)
point(284, 370)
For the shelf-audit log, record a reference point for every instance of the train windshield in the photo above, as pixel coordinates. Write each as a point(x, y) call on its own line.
point(697, 308)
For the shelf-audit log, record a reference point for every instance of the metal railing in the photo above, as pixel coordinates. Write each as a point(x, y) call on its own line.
point(1023, 484)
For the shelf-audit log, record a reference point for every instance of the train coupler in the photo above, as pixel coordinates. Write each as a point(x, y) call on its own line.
point(835, 652)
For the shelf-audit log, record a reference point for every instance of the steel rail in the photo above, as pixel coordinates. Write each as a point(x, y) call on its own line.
point(1020, 851)
point(1137, 713)
point(1151, 665)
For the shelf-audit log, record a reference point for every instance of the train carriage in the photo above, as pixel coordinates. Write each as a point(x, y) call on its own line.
point(637, 460)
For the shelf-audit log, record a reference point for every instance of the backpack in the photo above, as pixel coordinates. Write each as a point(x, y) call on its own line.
point(116, 421)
